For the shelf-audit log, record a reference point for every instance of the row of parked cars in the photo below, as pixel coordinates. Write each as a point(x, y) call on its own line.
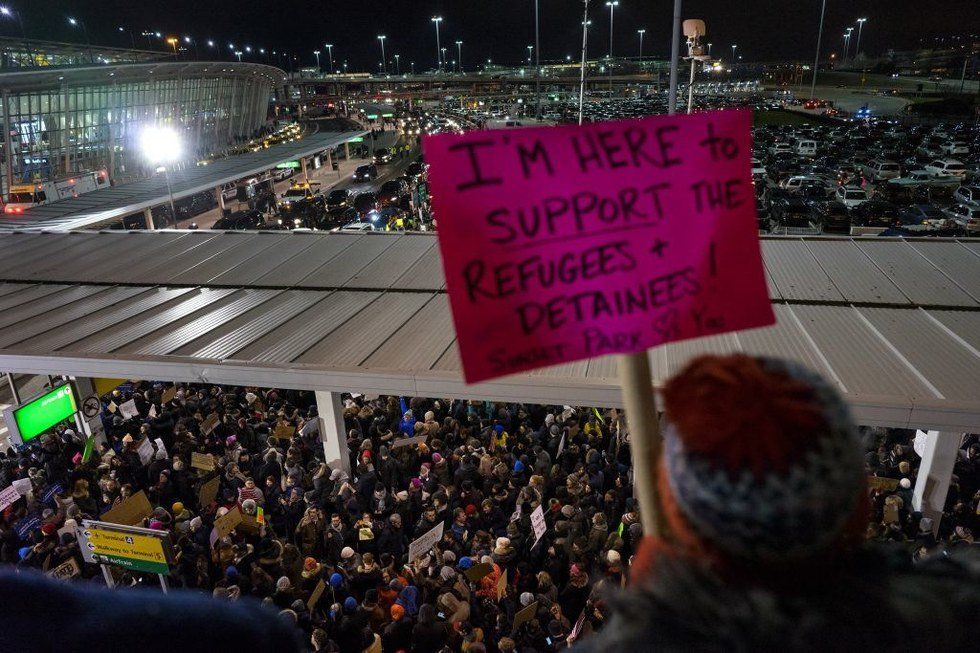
point(868, 177)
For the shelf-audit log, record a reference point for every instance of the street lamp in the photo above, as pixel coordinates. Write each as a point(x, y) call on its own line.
point(384, 62)
point(530, 49)
point(238, 53)
point(437, 20)
point(847, 41)
point(75, 22)
point(317, 53)
point(641, 32)
point(733, 53)
point(709, 50)
point(329, 47)
point(816, 57)
point(122, 30)
point(459, 54)
point(443, 51)
point(857, 45)
point(210, 43)
point(172, 40)
point(612, 6)
point(188, 40)
point(412, 67)
point(161, 146)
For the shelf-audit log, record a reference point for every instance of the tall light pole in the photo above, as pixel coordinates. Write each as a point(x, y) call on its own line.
point(585, 48)
point(384, 62)
point(398, 64)
point(75, 22)
point(459, 55)
point(437, 20)
point(530, 49)
point(641, 32)
point(612, 4)
point(857, 45)
point(709, 49)
point(412, 67)
point(317, 53)
point(733, 53)
point(188, 40)
point(329, 47)
point(816, 57)
point(847, 41)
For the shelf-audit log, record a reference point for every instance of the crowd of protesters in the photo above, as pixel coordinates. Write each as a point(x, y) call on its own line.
point(327, 542)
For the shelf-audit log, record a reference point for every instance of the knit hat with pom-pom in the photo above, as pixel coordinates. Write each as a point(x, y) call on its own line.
point(761, 463)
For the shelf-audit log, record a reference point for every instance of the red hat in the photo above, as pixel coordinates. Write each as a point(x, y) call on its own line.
point(49, 529)
point(397, 612)
point(309, 564)
point(471, 509)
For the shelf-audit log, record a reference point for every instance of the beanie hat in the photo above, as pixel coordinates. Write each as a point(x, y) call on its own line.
point(905, 483)
point(178, 508)
point(568, 510)
point(346, 553)
point(437, 457)
point(49, 529)
point(350, 604)
point(309, 564)
point(465, 563)
point(518, 467)
point(773, 472)
point(336, 580)
point(231, 572)
point(526, 598)
point(283, 584)
point(397, 612)
point(127, 438)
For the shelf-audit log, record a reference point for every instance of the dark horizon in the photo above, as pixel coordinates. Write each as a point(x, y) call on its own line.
point(500, 30)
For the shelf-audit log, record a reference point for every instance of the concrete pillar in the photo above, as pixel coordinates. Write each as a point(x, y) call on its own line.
point(148, 218)
point(346, 151)
point(935, 474)
point(221, 198)
point(302, 168)
point(333, 433)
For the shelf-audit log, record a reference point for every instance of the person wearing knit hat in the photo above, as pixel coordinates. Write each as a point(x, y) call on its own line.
point(310, 567)
point(397, 612)
point(336, 580)
point(762, 491)
point(346, 553)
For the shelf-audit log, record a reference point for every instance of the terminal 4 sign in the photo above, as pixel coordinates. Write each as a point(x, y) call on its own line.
point(31, 419)
point(137, 549)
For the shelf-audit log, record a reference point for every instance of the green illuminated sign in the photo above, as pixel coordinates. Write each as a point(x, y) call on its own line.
point(372, 116)
point(288, 164)
point(387, 115)
point(37, 416)
point(357, 139)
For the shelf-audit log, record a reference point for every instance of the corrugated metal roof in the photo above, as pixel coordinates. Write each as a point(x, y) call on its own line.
point(390, 328)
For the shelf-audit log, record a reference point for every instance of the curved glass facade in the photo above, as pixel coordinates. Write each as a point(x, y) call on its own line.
point(62, 122)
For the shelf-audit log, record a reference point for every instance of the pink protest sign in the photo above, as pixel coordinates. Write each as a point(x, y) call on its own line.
point(564, 243)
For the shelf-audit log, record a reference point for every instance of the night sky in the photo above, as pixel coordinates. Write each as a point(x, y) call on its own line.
point(765, 30)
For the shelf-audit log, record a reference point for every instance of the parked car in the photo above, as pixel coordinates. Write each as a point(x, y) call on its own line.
point(392, 191)
point(946, 168)
point(383, 155)
point(874, 213)
point(365, 202)
point(850, 196)
point(830, 216)
point(366, 172)
point(240, 220)
point(954, 148)
point(969, 195)
point(880, 170)
point(965, 216)
point(790, 212)
point(922, 217)
point(358, 227)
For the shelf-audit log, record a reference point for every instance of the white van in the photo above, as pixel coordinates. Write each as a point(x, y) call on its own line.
point(880, 169)
point(946, 168)
point(806, 148)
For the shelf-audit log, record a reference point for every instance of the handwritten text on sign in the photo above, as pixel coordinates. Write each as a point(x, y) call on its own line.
point(569, 242)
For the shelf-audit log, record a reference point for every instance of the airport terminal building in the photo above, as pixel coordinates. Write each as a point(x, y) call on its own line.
point(59, 121)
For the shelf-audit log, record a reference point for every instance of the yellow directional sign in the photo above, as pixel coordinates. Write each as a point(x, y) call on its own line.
point(108, 543)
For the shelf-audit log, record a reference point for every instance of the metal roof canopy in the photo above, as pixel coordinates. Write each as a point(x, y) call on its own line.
point(896, 328)
point(109, 205)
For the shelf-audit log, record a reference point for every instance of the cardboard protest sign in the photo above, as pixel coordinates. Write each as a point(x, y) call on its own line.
point(202, 461)
point(228, 521)
point(315, 596)
point(570, 242)
point(128, 409)
point(538, 523)
point(7, 496)
point(210, 423)
point(152, 413)
point(208, 492)
point(131, 511)
point(284, 431)
point(168, 395)
point(249, 525)
point(421, 545)
point(112, 407)
point(476, 572)
point(502, 585)
point(525, 615)
point(406, 442)
point(879, 483)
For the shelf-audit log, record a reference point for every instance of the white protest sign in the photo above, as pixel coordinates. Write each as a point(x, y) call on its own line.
point(152, 412)
point(161, 446)
point(538, 524)
point(561, 446)
point(422, 545)
point(145, 451)
point(65, 570)
point(516, 514)
point(24, 486)
point(8, 496)
point(128, 409)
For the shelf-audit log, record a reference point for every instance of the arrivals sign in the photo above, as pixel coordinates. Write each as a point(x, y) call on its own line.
point(564, 243)
point(136, 549)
